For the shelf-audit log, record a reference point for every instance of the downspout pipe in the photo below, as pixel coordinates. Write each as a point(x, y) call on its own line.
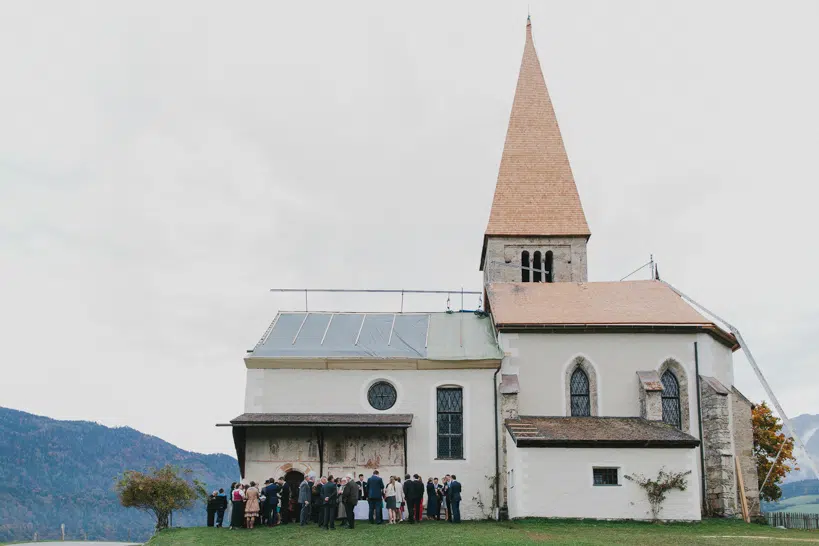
point(497, 439)
point(699, 422)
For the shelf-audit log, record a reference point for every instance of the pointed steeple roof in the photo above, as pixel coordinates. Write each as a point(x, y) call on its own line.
point(535, 194)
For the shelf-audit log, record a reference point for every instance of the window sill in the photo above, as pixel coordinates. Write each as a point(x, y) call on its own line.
point(447, 459)
point(607, 485)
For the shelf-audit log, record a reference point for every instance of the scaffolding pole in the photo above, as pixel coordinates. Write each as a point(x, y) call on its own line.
point(757, 371)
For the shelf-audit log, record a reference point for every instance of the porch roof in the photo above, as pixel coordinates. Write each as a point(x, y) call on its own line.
point(392, 420)
point(634, 432)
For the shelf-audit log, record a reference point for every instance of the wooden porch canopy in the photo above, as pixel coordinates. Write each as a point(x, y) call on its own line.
point(319, 421)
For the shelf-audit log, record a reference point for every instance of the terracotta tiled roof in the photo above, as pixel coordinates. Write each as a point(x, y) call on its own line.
point(648, 304)
point(626, 302)
point(535, 193)
point(596, 432)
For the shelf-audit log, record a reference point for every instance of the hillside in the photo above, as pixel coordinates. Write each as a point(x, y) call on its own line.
point(54, 472)
point(807, 427)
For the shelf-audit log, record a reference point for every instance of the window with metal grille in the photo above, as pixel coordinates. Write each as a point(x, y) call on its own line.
point(605, 476)
point(524, 269)
point(450, 423)
point(671, 400)
point(382, 395)
point(581, 401)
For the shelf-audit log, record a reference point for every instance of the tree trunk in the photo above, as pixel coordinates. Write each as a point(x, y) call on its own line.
point(161, 520)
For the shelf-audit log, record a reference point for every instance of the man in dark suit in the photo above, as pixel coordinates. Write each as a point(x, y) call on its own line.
point(284, 491)
point(305, 494)
point(362, 487)
point(221, 507)
point(455, 499)
point(349, 496)
point(271, 492)
point(418, 484)
point(329, 496)
point(212, 506)
point(375, 497)
point(413, 495)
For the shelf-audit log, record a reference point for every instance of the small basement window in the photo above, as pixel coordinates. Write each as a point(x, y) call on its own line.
point(605, 476)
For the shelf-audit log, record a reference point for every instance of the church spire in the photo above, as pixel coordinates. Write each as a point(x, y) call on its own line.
point(535, 194)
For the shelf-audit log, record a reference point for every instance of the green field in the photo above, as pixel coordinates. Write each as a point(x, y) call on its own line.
point(519, 532)
point(803, 504)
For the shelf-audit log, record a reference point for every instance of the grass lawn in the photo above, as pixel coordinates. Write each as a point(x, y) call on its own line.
point(518, 532)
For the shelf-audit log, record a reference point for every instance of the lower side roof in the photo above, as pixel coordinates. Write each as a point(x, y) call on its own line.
point(634, 432)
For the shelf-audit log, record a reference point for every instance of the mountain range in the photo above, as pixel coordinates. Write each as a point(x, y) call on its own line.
point(807, 427)
point(54, 472)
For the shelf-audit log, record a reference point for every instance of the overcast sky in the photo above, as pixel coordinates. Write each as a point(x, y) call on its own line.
point(163, 164)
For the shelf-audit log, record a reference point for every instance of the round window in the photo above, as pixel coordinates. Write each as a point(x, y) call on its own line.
point(382, 395)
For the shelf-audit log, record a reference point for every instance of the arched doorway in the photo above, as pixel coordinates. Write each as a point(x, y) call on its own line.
point(292, 480)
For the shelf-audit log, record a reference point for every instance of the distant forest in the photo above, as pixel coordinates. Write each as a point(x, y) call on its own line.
point(54, 472)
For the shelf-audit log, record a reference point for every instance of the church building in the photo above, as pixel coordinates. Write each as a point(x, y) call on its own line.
point(542, 403)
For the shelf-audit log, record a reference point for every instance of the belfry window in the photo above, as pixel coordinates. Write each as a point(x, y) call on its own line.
point(547, 266)
point(537, 267)
point(525, 267)
point(581, 400)
point(450, 423)
point(671, 400)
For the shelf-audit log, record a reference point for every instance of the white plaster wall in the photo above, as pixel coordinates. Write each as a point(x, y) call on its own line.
point(345, 391)
point(541, 362)
point(557, 483)
point(716, 360)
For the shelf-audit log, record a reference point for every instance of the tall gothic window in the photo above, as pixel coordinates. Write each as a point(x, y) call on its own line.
point(671, 400)
point(524, 266)
point(581, 401)
point(450, 423)
point(547, 265)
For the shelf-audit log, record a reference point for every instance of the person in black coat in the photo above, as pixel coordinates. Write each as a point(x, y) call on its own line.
point(433, 508)
point(455, 499)
point(284, 493)
point(271, 492)
point(221, 506)
point(329, 494)
point(213, 502)
point(375, 496)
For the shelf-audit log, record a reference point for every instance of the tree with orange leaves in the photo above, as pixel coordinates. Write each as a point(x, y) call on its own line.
point(768, 440)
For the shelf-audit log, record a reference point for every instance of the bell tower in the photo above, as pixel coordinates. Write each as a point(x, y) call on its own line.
point(537, 230)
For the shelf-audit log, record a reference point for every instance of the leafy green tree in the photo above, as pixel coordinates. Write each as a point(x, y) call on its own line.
point(159, 492)
point(768, 440)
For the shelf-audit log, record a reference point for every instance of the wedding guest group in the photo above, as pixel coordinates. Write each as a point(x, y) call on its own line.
point(326, 500)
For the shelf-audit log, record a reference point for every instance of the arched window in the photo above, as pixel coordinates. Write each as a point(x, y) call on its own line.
point(524, 266)
point(671, 400)
point(547, 265)
point(537, 268)
point(581, 400)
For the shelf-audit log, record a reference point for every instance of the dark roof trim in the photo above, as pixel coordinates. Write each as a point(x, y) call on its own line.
point(389, 420)
point(655, 444)
point(723, 337)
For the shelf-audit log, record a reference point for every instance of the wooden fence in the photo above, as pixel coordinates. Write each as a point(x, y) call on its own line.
point(791, 520)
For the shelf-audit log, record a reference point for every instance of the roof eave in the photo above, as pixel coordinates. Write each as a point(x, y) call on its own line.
point(717, 333)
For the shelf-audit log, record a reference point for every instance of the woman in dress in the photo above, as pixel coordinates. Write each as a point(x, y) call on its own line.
point(237, 514)
point(399, 500)
point(390, 493)
point(433, 511)
point(252, 508)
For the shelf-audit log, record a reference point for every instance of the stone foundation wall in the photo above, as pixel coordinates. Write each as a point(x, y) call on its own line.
point(720, 479)
point(743, 432)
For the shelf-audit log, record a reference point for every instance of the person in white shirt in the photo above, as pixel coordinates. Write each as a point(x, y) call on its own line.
point(390, 493)
point(399, 500)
